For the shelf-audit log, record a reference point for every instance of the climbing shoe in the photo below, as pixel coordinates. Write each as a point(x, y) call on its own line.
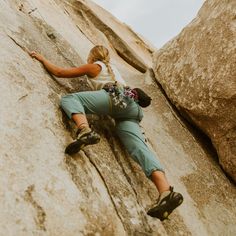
point(165, 204)
point(85, 137)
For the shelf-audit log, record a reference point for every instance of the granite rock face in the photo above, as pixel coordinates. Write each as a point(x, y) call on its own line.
point(100, 190)
point(197, 71)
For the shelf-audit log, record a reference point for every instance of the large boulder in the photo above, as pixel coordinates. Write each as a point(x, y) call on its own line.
point(197, 70)
point(100, 190)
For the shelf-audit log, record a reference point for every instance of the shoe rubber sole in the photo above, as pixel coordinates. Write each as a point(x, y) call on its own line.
point(164, 211)
point(81, 143)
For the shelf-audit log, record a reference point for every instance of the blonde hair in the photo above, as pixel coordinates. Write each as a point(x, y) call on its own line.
point(101, 53)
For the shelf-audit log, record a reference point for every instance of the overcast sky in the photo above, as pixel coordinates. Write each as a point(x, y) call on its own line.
point(157, 20)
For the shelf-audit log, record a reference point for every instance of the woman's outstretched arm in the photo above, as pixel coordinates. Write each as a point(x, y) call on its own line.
point(91, 70)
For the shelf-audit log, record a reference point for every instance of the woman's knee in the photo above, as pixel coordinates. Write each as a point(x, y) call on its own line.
point(62, 101)
point(65, 99)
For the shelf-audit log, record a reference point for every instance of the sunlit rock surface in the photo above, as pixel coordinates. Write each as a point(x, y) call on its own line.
point(99, 191)
point(198, 72)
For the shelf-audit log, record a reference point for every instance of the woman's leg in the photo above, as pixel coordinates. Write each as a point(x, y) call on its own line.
point(80, 120)
point(76, 106)
point(131, 136)
point(90, 102)
point(160, 181)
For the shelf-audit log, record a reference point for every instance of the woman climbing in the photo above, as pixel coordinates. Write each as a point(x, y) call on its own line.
point(112, 97)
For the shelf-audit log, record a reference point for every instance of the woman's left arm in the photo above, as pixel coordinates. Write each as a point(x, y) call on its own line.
point(92, 70)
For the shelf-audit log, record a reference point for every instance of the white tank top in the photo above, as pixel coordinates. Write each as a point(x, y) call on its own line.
point(104, 77)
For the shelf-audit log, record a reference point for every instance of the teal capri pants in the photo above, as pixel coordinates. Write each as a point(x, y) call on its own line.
point(127, 123)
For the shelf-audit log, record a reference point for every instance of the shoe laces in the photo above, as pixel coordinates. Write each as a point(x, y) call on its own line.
point(164, 194)
point(82, 132)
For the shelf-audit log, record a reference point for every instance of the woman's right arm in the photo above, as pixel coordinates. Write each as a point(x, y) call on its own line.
point(91, 70)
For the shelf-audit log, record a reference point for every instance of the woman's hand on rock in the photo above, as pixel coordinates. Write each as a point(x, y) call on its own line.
point(37, 56)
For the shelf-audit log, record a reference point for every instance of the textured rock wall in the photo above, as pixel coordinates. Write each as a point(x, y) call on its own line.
point(197, 70)
point(99, 191)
